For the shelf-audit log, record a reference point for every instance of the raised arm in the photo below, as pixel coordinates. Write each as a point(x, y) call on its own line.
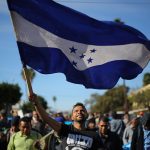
point(43, 114)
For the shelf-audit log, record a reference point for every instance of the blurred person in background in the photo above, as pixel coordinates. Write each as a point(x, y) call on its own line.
point(37, 124)
point(4, 123)
point(126, 119)
point(141, 113)
point(97, 115)
point(14, 113)
point(111, 140)
point(128, 132)
point(25, 138)
point(141, 135)
point(14, 127)
point(59, 117)
point(116, 124)
point(91, 124)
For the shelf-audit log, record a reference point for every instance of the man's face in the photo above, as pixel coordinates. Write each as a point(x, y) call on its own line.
point(103, 127)
point(79, 114)
point(35, 114)
point(134, 123)
point(25, 128)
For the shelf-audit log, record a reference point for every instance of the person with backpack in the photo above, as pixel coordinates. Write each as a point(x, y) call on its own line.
point(74, 136)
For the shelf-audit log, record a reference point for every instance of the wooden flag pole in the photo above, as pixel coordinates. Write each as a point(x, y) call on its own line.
point(28, 82)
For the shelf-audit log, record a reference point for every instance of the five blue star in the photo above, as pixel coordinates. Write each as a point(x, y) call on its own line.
point(73, 50)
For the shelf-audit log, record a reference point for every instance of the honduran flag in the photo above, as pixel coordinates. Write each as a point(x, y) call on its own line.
point(53, 38)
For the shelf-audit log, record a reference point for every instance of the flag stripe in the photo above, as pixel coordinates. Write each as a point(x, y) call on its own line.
point(98, 77)
point(79, 28)
point(27, 31)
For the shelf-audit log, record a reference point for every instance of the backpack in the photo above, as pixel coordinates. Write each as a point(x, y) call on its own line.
point(50, 141)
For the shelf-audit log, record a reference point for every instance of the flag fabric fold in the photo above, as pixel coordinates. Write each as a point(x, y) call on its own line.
point(53, 38)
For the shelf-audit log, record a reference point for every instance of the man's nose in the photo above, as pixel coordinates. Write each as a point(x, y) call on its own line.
point(79, 112)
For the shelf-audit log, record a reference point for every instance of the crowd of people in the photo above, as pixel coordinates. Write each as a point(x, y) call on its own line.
point(80, 131)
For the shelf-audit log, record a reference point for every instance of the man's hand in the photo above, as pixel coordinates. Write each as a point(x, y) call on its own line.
point(43, 114)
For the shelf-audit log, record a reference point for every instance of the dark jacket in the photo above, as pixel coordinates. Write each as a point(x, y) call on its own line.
point(111, 141)
point(138, 134)
point(138, 139)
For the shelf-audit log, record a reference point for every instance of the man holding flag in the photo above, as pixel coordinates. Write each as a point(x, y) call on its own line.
point(53, 38)
point(75, 136)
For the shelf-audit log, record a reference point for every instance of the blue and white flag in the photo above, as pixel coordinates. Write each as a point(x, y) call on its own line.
point(53, 38)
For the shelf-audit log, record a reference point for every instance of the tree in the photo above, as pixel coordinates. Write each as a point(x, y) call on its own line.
point(28, 107)
point(43, 102)
point(112, 99)
point(146, 79)
point(90, 102)
point(9, 94)
point(100, 103)
point(141, 99)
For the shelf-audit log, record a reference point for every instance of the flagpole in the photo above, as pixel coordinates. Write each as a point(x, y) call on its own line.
point(27, 79)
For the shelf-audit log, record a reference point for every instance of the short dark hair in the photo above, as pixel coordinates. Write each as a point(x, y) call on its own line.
point(114, 114)
point(25, 119)
point(104, 119)
point(78, 104)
